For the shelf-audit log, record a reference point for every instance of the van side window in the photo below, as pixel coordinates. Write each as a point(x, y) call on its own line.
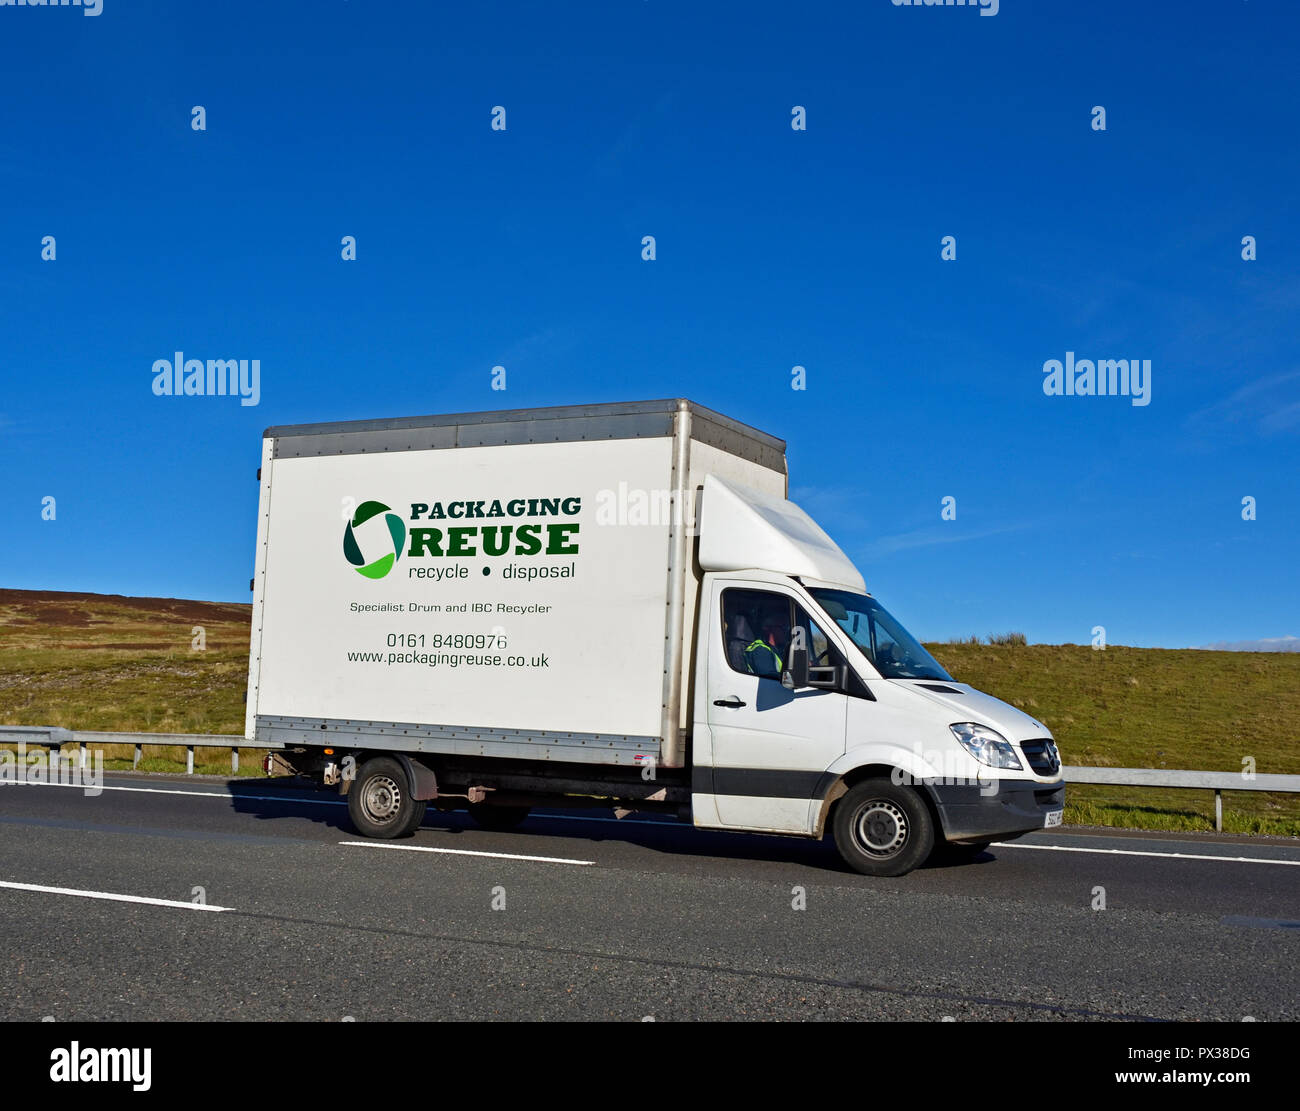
point(821, 652)
point(756, 631)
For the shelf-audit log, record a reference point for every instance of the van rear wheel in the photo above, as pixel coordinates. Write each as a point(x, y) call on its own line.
point(882, 829)
point(380, 803)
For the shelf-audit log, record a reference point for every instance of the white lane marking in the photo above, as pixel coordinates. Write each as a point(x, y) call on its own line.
point(322, 802)
point(109, 895)
point(463, 852)
point(1136, 852)
point(200, 794)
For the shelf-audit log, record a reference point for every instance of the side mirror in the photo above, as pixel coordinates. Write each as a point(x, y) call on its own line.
point(795, 677)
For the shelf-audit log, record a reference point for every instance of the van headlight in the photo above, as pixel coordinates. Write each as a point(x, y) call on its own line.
point(987, 746)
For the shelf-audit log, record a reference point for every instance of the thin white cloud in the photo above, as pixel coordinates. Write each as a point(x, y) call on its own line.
point(935, 534)
point(839, 510)
point(1281, 419)
point(1271, 403)
point(1263, 644)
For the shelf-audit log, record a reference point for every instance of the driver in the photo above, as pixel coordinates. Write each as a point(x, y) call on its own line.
point(763, 656)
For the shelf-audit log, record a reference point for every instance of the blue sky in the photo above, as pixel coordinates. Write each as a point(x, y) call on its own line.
point(775, 248)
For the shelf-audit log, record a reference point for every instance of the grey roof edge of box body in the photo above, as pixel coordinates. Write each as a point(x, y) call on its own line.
point(564, 423)
point(502, 416)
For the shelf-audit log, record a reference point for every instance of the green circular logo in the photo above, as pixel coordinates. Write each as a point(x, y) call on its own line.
point(383, 549)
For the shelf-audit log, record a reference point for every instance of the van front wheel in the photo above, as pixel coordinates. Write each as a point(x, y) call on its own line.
point(883, 829)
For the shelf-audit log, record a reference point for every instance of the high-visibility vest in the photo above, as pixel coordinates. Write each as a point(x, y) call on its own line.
point(762, 644)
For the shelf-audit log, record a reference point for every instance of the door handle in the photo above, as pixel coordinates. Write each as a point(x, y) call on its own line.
point(732, 703)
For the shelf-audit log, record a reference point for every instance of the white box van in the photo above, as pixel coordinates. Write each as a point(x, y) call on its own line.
point(609, 605)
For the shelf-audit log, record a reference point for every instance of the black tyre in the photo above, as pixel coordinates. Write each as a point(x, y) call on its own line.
point(882, 829)
point(497, 817)
point(380, 803)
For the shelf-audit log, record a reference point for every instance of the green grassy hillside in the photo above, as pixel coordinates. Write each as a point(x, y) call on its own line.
point(1154, 708)
point(102, 661)
point(1147, 707)
point(89, 661)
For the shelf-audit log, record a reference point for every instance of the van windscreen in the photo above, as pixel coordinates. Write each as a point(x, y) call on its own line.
point(892, 650)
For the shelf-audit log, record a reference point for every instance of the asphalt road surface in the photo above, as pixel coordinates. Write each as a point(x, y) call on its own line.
point(179, 898)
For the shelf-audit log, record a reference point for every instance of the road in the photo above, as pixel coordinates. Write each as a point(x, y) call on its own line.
point(579, 916)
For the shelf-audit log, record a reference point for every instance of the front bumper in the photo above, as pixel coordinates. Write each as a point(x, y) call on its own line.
point(998, 811)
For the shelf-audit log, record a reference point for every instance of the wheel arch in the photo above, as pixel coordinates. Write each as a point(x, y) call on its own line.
point(421, 780)
point(846, 781)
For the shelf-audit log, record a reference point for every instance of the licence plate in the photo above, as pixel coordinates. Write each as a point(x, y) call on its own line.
point(1052, 818)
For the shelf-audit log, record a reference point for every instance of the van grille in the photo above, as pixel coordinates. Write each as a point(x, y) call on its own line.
point(1042, 756)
